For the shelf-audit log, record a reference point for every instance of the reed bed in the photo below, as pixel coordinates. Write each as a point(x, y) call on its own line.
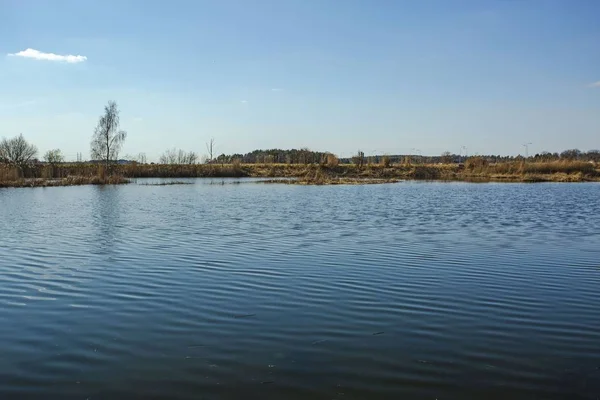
point(328, 172)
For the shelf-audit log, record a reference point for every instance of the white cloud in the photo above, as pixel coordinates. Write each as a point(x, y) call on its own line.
point(38, 55)
point(276, 90)
point(595, 84)
point(244, 101)
point(138, 119)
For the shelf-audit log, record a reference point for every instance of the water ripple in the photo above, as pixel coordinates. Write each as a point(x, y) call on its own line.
point(412, 290)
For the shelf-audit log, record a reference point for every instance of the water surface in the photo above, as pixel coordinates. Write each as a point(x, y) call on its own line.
point(218, 291)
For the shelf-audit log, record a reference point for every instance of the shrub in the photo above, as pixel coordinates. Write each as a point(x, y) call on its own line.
point(332, 161)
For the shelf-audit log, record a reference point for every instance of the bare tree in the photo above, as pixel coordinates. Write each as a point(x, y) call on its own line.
point(17, 150)
point(210, 147)
point(108, 139)
point(186, 157)
point(168, 157)
point(173, 156)
point(54, 156)
point(447, 158)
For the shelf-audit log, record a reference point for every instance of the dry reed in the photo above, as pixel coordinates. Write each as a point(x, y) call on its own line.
point(475, 168)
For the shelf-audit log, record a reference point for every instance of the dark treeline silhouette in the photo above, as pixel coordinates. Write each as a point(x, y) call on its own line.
point(18, 151)
point(276, 156)
point(306, 156)
point(448, 158)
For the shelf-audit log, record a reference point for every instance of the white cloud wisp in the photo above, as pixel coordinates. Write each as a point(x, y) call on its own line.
point(595, 85)
point(38, 55)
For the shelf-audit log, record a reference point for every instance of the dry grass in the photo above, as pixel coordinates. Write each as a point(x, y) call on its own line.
point(330, 172)
point(520, 171)
point(57, 175)
point(68, 181)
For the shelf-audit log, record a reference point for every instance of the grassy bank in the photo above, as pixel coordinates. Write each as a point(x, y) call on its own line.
point(474, 169)
point(558, 171)
point(68, 181)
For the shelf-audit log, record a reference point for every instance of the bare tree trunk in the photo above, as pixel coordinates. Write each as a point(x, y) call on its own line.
point(210, 147)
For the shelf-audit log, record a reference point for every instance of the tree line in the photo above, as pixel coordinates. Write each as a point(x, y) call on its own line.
point(108, 138)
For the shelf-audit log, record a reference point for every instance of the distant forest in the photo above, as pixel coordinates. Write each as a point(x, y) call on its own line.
point(306, 156)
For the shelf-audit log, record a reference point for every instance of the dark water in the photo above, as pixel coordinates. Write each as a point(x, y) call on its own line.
point(404, 291)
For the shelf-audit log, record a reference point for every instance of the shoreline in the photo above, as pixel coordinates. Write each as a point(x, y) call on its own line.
point(67, 181)
point(301, 174)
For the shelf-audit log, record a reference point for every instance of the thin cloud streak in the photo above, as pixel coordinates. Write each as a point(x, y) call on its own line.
point(595, 85)
point(38, 55)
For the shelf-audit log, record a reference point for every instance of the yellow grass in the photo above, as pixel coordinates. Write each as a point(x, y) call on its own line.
point(330, 172)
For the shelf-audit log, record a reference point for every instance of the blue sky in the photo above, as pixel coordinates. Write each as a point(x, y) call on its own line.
point(381, 76)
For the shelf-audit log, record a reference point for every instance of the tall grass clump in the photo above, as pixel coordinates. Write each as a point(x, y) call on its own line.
point(9, 173)
point(561, 166)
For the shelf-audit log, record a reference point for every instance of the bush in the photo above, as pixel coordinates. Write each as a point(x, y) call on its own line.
point(332, 161)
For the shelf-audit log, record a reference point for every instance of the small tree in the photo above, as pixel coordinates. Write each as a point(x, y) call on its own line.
point(54, 156)
point(108, 139)
point(17, 150)
point(359, 159)
point(222, 159)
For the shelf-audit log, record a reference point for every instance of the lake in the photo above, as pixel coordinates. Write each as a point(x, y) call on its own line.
point(229, 289)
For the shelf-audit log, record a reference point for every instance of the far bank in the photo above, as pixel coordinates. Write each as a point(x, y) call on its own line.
point(317, 174)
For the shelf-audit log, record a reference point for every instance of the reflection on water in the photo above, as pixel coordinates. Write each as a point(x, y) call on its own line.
point(411, 290)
